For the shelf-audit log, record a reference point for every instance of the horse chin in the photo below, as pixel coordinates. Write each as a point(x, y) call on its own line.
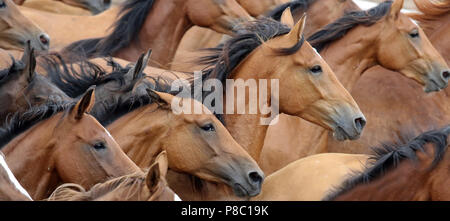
point(240, 191)
point(341, 135)
point(433, 86)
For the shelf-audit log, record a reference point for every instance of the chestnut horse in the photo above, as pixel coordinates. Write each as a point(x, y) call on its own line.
point(157, 24)
point(348, 45)
point(417, 170)
point(320, 13)
point(199, 148)
point(150, 186)
point(21, 87)
point(299, 69)
point(16, 30)
point(58, 143)
point(71, 7)
point(10, 188)
point(384, 109)
point(311, 177)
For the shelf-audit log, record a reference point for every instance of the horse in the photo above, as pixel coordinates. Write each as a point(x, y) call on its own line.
point(199, 148)
point(348, 46)
point(16, 30)
point(139, 186)
point(320, 13)
point(391, 172)
point(299, 69)
point(434, 109)
point(70, 7)
point(148, 31)
point(52, 144)
point(10, 188)
point(310, 178)
point(415, 170)
point(21, 87)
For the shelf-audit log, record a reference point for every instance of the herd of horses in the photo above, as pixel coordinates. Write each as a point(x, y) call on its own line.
point(87, 107)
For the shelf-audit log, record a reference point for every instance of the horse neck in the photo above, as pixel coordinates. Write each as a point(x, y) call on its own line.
point(408, 181)
point(350, 56)
point(246, 128)
point(140, 133)
point(165, 26)
point(30, 158)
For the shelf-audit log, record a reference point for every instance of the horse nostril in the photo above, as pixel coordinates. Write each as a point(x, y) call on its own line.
point(446, 75)
point(360, 123)
point(107, 2)
point(44, 39)
point(255, 177)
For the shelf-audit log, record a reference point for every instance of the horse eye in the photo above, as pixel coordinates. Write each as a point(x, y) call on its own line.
point(99, 146)
point(317, 69)
point(208, 127)
point(414, 34)
point(2, 4)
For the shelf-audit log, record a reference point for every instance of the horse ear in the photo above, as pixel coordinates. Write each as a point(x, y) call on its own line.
point(153, 177)
point(29, 59)
point(287, 19)
point(396, 7)
point(141, 64)
point(163, 162)
point(85, 104)
point(161, 98)
point(297, 31)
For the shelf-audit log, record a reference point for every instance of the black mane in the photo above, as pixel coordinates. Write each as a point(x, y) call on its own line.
point(125, 30)
point(341, 26)
point(389, 156)
point(75, 78)
point(294, 5)
point(20, 122)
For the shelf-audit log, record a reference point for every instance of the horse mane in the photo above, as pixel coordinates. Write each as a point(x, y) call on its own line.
point(132, 183)
point(20, 122)
point(342, 25)
point(388, 156)
point(75, 78)
point(125, 30)
point(7, 73)
point(295, 5)
point(431, 10)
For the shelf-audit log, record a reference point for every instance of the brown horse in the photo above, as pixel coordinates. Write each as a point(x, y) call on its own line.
point(417, 170)
point(21, 87)
point(299, 69)
point(70, 7)
point(157, 24)
point(319, 13)
point(10, 188)
point(198, 146)
point(16, 30)
point(57, 143)
point(392, 102)
point(139, 186)
point(348, 44)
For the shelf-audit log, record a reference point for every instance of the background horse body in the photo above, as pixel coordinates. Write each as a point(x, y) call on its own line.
point(350, 51)
point(310, 178)
point(417, 170)
point(53, 144)
point(150, 186)
point(159, 25)
point(10, 188)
